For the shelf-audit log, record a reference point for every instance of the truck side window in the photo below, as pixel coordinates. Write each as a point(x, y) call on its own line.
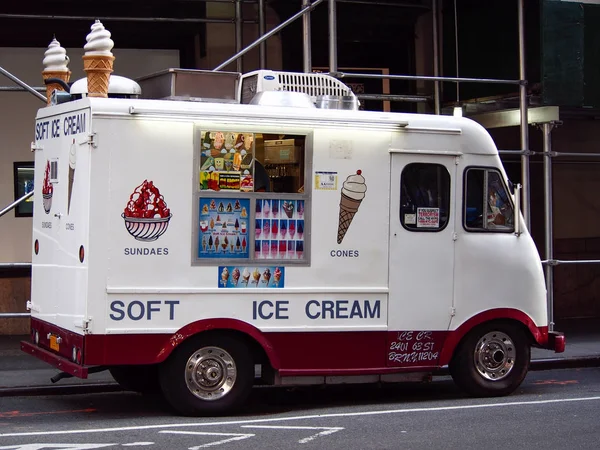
point(486, 197)
point(424, 197)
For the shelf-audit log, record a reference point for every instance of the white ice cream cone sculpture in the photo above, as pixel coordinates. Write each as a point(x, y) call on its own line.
point(55, 66)
point(98, 60)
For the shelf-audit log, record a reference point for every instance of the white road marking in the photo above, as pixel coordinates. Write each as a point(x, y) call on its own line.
point(326, 430)
point(137, 444)
point(56, 446)
point(307, 417)
point(236, 437)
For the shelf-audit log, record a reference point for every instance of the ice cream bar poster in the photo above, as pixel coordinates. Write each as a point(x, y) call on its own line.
point(251, 277)
point(224, 225)
point(226, 161)
point(279, 229)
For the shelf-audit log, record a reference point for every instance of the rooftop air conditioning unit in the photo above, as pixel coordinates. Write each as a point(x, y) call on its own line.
point(316, 85)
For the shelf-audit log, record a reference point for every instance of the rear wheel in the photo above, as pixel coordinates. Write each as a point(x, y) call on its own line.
point(210, 374)
point(492, 360)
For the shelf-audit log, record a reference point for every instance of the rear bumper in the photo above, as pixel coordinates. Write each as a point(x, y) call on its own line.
point(55, 360)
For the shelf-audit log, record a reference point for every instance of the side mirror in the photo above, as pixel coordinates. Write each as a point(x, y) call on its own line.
point(517, 210)
point(511, 187)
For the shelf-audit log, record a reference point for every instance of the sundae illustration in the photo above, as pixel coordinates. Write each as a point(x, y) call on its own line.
point(98, 60)
point(47, 189)
point(55, 66)
point(353, 193)
point(146, 214)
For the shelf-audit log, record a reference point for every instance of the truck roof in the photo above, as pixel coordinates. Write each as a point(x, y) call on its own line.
point(461, 135)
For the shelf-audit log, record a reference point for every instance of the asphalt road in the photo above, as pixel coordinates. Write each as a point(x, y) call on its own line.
point(555, 409)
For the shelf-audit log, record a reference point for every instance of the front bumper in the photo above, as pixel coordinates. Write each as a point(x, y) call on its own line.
point(556, 341)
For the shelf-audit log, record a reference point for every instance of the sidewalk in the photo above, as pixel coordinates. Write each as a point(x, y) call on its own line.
point(24, 374)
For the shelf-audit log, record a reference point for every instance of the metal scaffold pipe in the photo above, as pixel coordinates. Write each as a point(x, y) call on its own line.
point(524, 124)
point(238, 34)
point(549, 236)
point(306, 39)
point(275, 30)
point(24, 85)
point(262, 24)
point(436, 58)
point(333, 64)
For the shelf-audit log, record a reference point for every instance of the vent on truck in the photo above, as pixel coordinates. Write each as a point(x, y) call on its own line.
point(316, 85)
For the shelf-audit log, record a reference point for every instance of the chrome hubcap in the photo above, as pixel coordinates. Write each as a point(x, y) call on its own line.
point(495, 356)
point(210, 373)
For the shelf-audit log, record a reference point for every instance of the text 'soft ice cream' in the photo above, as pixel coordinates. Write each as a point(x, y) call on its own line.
point(55, 58)
point(355, 187)
point(98, 41)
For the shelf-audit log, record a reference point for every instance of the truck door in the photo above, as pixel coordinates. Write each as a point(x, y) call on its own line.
point(421, 261)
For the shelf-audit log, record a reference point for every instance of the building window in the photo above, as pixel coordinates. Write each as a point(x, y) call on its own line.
point(424, 197)
point(23, 184)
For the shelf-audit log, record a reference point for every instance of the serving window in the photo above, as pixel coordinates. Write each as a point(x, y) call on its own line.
point(250, 201)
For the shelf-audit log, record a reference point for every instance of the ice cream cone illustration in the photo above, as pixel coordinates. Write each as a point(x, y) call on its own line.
point(224, 276)
point(55, 66)
point(245, 276)
point(98, 60)
point(353, 193)
point(235, 275)
point(267, 276)
point(72, 163)
point(276, 276)
point(255, 276)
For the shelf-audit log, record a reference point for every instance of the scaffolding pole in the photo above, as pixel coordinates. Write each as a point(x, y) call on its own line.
point(238, 34)
point(436, 57)
point(333, 64)
point(549, 250)
point(260, 40)
point(262, 26)
point(306, 39)
point(524, 126)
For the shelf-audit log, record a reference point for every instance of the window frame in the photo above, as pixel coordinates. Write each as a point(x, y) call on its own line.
point(426, 230)
point(483, 229)
point(198, 194)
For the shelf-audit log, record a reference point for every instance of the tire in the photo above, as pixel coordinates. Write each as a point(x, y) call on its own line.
point(208, 375)
point(492, 360)
point(142, 379)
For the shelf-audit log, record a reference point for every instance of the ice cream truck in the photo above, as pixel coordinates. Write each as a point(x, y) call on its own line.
point(214, 231)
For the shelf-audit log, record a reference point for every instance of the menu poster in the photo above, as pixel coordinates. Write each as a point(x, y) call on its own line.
point(279, 229)
point(223, 228)
point(226, 161)
point(251, 277)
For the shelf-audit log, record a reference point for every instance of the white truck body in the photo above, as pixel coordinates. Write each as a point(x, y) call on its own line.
point(399, 294)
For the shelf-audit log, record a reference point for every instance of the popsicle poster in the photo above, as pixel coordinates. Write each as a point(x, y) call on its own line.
point(279, 229)
point(224, 225)
point(238, 277)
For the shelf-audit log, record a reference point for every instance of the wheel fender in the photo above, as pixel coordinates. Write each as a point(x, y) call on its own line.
point(200, 326)
point(540, 334)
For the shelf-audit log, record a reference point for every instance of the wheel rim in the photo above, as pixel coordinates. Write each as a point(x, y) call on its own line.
point(495, 356)
point(210, 373)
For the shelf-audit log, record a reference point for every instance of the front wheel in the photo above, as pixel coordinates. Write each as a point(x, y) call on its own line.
point(492, 360)
point(208, 375)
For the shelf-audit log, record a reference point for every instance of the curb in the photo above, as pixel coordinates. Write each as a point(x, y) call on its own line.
point(565, 363)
